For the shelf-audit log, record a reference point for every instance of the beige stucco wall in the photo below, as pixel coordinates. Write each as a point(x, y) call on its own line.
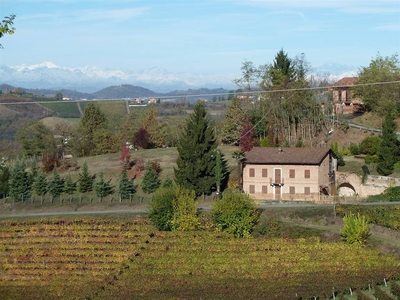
point(317, 176)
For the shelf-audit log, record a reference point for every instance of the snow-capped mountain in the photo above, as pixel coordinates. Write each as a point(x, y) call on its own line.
point(48, 75)
point(91, 78)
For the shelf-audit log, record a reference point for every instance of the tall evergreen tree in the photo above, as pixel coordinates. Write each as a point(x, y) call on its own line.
point(4, 177)
point(126, 187)
point(69, 186)
point(85, 180)
point(150, 180)
point(103, 188)
point(40, 185)
point(56, 184)
point(19, 183)
point(388, 152)
point(196, 163)
point(154, 128)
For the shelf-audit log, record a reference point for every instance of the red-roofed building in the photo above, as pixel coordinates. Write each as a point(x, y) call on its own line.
point(289, 173)
point(343, 100)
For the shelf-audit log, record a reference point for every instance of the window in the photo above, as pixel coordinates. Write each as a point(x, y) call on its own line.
point(265, 189)
point(292, 190)
point(252, 189)
point(292, 173)
point(306, 173)
point(264, 172)
point(307, 191)
point(251, 172)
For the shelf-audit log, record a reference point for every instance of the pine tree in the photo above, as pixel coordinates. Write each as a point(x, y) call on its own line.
point(85, 181)
point(103, 188)
point(388, 152)
point(40, 185)
point(126, 187)
point(69, 186)
point(56, 184)
point(4, 177)
point(152, 125)
point(195, 163)
point(19, 183)
point(150, 180)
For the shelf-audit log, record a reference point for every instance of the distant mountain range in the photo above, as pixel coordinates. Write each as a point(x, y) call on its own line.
point(91, 79)
point(125, 91)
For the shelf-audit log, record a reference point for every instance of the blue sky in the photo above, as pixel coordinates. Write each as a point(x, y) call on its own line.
point(198, 36)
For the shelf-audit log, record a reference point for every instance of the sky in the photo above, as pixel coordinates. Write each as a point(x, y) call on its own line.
point(198, 36)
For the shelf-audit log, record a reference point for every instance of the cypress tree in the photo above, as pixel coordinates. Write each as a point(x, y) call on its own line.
point(196, 146)
point(19, 183)
point(389, 148)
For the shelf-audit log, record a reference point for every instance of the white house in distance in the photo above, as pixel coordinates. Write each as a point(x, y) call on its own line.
point(289, 173)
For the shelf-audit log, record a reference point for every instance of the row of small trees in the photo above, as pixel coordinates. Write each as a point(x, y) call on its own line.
point(20, 184)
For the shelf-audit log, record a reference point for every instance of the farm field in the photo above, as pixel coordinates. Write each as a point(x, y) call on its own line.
point(126, 258)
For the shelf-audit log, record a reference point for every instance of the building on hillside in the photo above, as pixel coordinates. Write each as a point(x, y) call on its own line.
point(343, 100)
point(289, 173)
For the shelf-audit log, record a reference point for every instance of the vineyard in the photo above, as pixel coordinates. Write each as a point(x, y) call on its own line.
point(121, 258)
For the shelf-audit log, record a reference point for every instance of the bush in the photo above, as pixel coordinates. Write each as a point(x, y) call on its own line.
point(235, 213)
point(345, 152)
point(354, 149)
point(356, 229)
point(395, 289)
point(371, 159)
point(370, 145)
point(392, 193)
point(185, 211)
point(162, 208)
point(381, 294)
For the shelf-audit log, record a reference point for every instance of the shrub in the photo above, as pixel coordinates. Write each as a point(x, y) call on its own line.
point(162, 208)
point(370, 145)
point(356, 229)
point(354, 149)
point(392, 193)
point(185, 210)
point(235, 213)
point(371, 159)
point(345, 152)
point(395, 289)
point(381, 294)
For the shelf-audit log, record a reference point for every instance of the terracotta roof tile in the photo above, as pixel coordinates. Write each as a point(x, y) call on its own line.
point(295, 156)
point(345, 81)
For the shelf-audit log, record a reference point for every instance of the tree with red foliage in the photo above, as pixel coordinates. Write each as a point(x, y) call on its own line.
point(125, 157)
point(247, 135)
point(141, 138)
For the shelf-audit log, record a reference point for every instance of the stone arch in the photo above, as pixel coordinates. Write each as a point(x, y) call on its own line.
point(346, 189)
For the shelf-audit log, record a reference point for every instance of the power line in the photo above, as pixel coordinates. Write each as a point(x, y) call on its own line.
point(207, 95)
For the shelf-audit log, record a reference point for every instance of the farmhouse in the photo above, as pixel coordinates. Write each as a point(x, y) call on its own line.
point(289, 173)
point(344, 101)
